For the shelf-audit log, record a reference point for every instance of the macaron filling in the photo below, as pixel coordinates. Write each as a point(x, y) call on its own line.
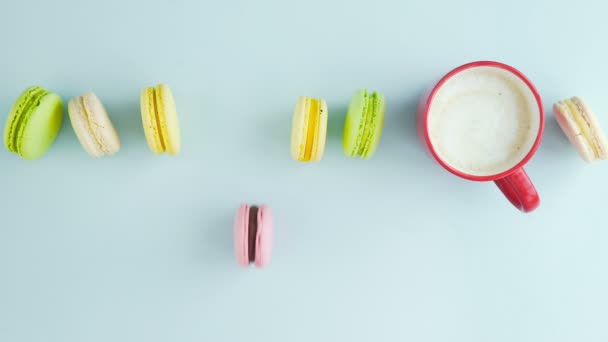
point(31, 100)
point(362, 122)
point(252, 232)
point(578, 113)
point(367, 123)
point(155, 103)
point(313, 128)
point(89, 124)
point(372, 106)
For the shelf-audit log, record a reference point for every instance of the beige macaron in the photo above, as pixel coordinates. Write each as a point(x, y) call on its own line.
point(93, 126)
point(581, 127)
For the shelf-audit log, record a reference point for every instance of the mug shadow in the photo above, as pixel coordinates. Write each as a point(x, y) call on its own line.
point(399, 137)
point(407, 124)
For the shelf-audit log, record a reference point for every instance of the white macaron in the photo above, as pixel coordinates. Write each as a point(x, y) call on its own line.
point(93, 126)
point(581, 127)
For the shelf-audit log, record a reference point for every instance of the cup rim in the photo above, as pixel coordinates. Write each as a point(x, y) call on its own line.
point(454, 72)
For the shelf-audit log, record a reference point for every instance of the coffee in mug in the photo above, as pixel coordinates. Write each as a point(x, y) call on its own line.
point(483, 121)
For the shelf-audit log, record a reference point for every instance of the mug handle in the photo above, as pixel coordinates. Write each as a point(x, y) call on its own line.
point(519, 190)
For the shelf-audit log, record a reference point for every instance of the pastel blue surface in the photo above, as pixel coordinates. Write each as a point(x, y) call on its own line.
point(138, 247)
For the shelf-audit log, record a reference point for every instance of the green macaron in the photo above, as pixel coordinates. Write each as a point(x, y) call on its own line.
point(364, 123)
point(33, 123)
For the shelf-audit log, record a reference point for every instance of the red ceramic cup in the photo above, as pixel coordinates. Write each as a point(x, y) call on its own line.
point(510, 178)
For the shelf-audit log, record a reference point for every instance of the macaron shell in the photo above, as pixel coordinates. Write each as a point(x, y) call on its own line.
point(42, 127)
point(299, 129)
point(265, 236)
point(597, 134)
point(148, 116)
point(566, 121)
point(80, 124)
point(92, 125)
point(100, 124)
point(20, 112)
point(354, 123)
point(241, 235)
point(364, 124)
point(377, 125)
point(312, 131)
point(168, 120)
point(321, 132)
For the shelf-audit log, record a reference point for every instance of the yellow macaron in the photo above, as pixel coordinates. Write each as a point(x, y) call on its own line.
point(159, 117)
point(309, 129)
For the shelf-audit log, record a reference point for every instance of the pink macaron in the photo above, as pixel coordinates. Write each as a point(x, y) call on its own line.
point(253, 235)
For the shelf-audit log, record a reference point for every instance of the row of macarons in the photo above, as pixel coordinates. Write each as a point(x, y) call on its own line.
point(365, 120)
point(36, 118)
point(37, 115)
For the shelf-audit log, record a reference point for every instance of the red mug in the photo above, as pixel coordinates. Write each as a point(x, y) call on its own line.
point(463, 115)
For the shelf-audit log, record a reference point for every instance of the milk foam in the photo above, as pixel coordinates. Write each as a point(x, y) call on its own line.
point(483, 121)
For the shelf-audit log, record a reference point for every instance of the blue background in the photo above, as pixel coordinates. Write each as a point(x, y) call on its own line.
point(138, 247)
